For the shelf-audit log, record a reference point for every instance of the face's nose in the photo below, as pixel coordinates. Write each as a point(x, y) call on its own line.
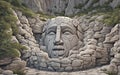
point(58, 40)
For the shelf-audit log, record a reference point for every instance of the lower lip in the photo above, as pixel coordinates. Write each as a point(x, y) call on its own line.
point(58, 52)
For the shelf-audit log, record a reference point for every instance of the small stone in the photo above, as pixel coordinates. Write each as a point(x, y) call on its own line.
point(50, 68)
point(68, 68)
point(87, 52)
point(7, 72)
point(76, 63)
point(65, 61)
point(97, 35)
point(5, 61)
point(117, 56)
point(112, 68)
point(23, 20)
point(55, 65)
point(16, 65)
point(115, 38)
point(42, 64)
point(14, 39)
point(97, 26)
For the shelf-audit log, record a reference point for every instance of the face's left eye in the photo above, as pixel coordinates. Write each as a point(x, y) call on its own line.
point(67, 33)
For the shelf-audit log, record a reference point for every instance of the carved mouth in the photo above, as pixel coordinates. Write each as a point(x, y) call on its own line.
point(58, 53)
point(58, 48)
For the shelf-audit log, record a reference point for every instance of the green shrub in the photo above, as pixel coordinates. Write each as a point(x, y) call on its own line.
point(27, 12)
point(112, 17)
point(19, 5)
point(8, 28)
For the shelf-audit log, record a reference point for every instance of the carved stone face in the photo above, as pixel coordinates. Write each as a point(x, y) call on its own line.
point(60, 37)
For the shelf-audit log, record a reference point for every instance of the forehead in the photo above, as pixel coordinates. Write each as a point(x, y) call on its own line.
point(61, 25)
point(62, 22)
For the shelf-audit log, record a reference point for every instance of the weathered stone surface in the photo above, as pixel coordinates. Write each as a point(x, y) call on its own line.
point(36, 24)
point(66, 61)
point(77, 63)
point(14, 39)
point(17, 64)
point(97, 35)
point(115, 38)
point(7, 72)
point(117, 56)
point(68, 68)
point(95, 71)
point(23, 20)
point(67, 7)
point(43, 64)
point(55, 65)
point(96, 41)
point(115, 3)
point(5, 61)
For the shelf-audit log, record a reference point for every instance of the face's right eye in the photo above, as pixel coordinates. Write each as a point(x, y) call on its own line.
point(51, 33)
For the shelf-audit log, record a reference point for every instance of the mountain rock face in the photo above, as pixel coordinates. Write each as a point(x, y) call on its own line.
point(68, 7)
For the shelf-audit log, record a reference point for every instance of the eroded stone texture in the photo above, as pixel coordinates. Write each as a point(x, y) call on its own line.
point(69, 45)
point(68, 7)
point(60, 37)
point(96, 43)
point(95, 71)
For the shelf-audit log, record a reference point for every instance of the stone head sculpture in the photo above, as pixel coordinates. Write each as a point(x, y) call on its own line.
point(59, 37)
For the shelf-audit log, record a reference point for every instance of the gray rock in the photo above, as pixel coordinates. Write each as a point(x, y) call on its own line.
point(23, 20)
point(14, 39)
point(37, 27)
point(55, 65)
point(88, 4)
point(115, 38)
point(117, 56)
point(98, 26)
point(65, 61)
point(115, 3)
point(115, 61)
point(68, 68)
point(105, 30)
point(7, 72)
point(5, 61)
point(43, 64)
point(17, 64)
point(97, 35)
point(76, 63)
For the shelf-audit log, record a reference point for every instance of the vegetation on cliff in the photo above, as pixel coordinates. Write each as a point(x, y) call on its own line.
point(8, 28)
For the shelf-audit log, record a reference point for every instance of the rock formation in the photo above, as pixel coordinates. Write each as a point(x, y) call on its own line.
point(94, 46)
point(68, 7)
point(98, 44)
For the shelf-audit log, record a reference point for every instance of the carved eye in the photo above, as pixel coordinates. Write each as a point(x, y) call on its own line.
point(67, 33)
point(51, 33)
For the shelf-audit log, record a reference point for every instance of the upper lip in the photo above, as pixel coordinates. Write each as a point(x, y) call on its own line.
point(58, 48)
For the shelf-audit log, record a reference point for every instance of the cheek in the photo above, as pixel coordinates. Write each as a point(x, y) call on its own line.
point(70, 41)
point(48, 41)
